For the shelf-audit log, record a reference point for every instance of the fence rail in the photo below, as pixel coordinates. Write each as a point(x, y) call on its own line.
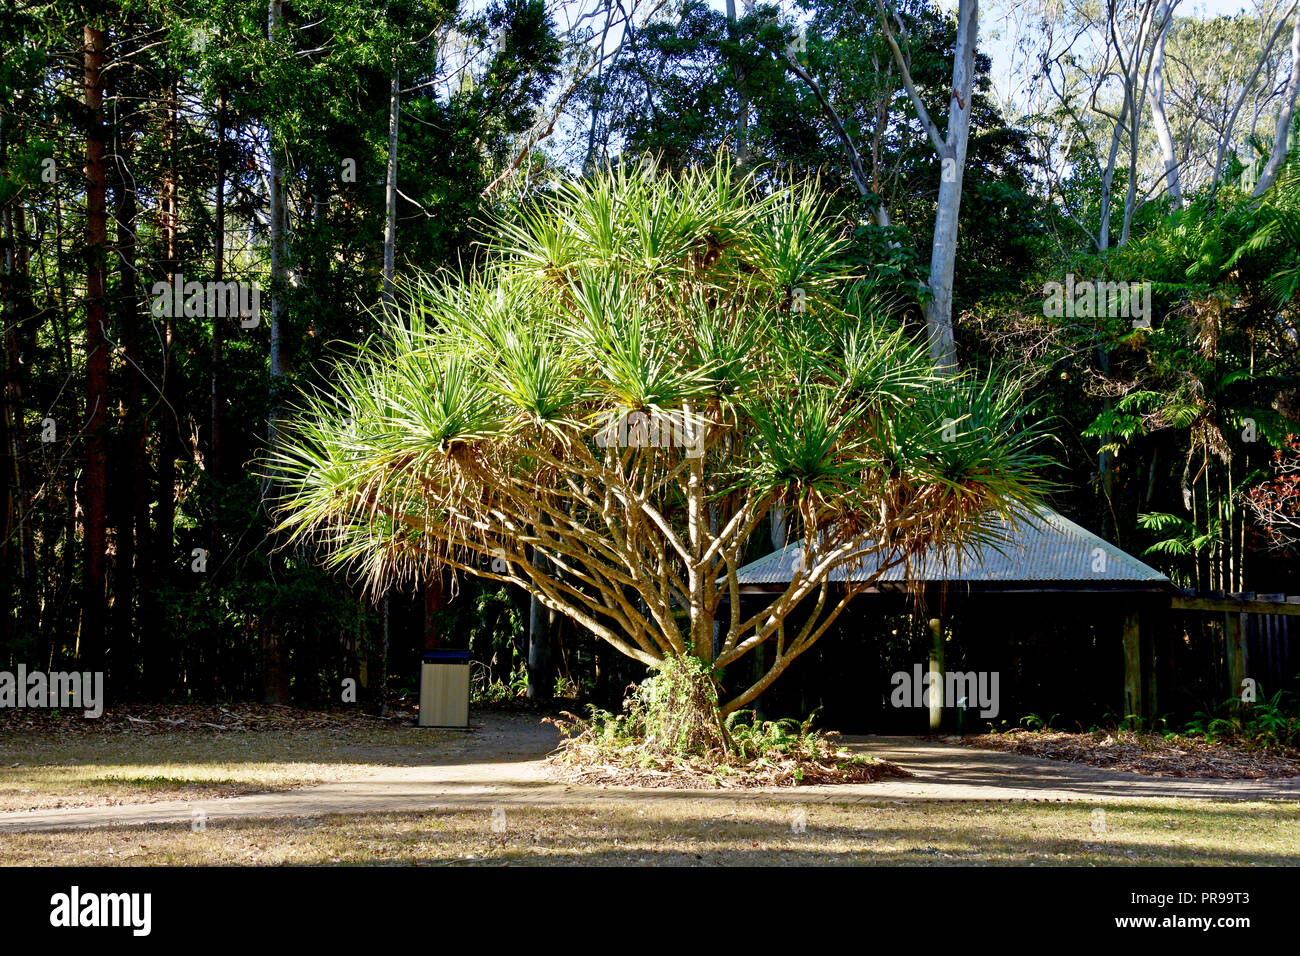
point(1257, 629)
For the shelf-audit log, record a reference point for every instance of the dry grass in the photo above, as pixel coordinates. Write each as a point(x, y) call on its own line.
point(48, 762)
point(711, 832)
point(1151, 754)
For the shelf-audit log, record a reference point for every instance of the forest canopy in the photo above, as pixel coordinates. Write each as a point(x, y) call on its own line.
point(203, 206)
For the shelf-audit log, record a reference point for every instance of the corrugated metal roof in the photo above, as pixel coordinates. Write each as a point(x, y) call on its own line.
point(1046, 547)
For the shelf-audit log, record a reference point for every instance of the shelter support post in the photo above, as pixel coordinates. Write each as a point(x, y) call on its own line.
point(1132, 631)
point(1234, 649)
point(936, 674)
point(1150, 674)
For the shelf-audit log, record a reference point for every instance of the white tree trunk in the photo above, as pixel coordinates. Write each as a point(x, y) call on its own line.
point(390, 195)
point(1137, 81)
point(390, 251)
point(279, 272)
point(943, 249)
point(1156, 95)
point(1225, 140)
point(1130, 194)
point(742, 112)
point(1282, 133)
point(1108, 181)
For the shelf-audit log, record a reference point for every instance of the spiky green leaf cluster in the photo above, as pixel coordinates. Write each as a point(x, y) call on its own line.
point(697, 301)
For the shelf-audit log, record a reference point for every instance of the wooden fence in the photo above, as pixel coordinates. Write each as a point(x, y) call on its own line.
point(1258, 630)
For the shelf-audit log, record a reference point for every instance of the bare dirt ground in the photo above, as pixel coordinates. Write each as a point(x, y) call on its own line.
point(150, 754)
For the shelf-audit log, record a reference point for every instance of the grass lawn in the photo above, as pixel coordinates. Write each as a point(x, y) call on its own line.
point(48, 769)
point(78, 764)
point(689, 832)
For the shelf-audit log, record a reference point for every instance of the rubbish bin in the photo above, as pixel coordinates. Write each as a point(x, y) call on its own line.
point(444, 689)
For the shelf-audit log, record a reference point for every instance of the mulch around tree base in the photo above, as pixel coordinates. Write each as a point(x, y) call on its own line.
point(785, 773)
point(1150, 754)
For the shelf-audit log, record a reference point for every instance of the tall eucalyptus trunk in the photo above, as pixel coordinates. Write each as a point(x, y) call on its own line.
point(1160, 120)
point(1282, 131)
point(274, 643)
point(943, 249)
point(91, 644)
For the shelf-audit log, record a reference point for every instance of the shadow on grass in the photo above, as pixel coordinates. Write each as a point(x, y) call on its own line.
point(747, 835)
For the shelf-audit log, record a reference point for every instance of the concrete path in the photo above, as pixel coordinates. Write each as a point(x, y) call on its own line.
point(953, 772)
point(500, 765)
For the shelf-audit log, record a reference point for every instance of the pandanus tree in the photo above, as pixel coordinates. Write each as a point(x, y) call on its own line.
point(604, 412)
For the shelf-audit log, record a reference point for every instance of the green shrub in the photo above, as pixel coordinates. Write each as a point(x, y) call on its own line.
point(1269, 724)
point(671, 724)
